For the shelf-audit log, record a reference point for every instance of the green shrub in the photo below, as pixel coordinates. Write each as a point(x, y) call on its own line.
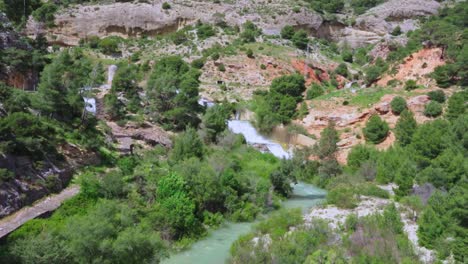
point(263, 67)
point(433, 109)
point(110, 45)
point(287, 32)
point(215, 56)
point(221, 67)
point(376, 129)
point(361, 6)
point(372, 190)
point(437, 95)
point(314, 91)
point(410, 85)
point(398, 105)
point(300, 39)
point(45, 13)
point(249, 53)
point(250, 32)
point(343, 197)
point(342, 70)
point(396, 31)
point(205, 31)
point(166, 6)
point(347, 55)
point(405, 127)
point(6, 175)
point(198, 63)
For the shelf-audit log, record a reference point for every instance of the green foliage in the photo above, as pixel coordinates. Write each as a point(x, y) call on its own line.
point(347, 55)
point(342, 70)
point(376, 129)
point(405, 127)
point(113, 107)
point(221, 67)
point(45, 13)
point(110, 45)
point(360, 154)
point(396, 31)
point(300, 39)
point(249, 53)
point(205, 31)
point(282, 178)
point(404, 178)
point(198, 63)
point(173, 93)
point(430, 227)
point(187, 145)
point(12, 9)
point(166, 6)
point(373, 73)
point(26, 134)
point(361, 6)
point(437, 95)
point(457, 105)
point(327, 145)
point(410, 85)
point(314, 91)
point(215, 120)
point(333, 6)
point(343, 197)
point(433, 109)
point(287, 32)
point(6, 175)
point(250, 32)
point(398, 105)
point(279, 105)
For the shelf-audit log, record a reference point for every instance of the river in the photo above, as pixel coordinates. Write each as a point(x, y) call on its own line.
point(214, 249)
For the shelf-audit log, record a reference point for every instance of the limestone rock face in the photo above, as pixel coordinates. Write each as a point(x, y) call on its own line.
point(379, 19)
point(137, 19)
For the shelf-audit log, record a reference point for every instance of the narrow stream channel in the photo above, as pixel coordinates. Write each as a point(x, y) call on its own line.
point(214, 249)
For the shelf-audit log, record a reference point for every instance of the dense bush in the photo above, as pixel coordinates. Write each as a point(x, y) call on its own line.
point(330, 6)
point(410, 85)
point(250, 32)
point(342, 70)
point(45, 13)
point(287, 32)
point(376, 129)
point(437, 95)
point(173, 93)
point(361, 6)
point(398, 105)
point(314, 91)
point(166, 6)
point(300, 39)
point(110, 45)
point(433, 109)
point(279, 105)
point(405, 127)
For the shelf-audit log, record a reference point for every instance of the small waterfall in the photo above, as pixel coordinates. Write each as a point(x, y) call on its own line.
point(253, 137)
point(110, 74)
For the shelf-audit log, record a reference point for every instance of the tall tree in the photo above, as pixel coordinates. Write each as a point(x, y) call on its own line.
point(405, 127)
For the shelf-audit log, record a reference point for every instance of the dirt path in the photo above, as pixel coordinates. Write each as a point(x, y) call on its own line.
point(47, 204)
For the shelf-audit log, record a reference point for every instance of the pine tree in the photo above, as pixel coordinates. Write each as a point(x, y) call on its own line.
point(430, 227)
point(376, 129)
point(405, 127)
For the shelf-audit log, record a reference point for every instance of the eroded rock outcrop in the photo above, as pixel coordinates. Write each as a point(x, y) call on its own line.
point(139, 19)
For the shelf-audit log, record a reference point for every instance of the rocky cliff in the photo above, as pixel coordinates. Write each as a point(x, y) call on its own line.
point(11, 39)
point(137, 19)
